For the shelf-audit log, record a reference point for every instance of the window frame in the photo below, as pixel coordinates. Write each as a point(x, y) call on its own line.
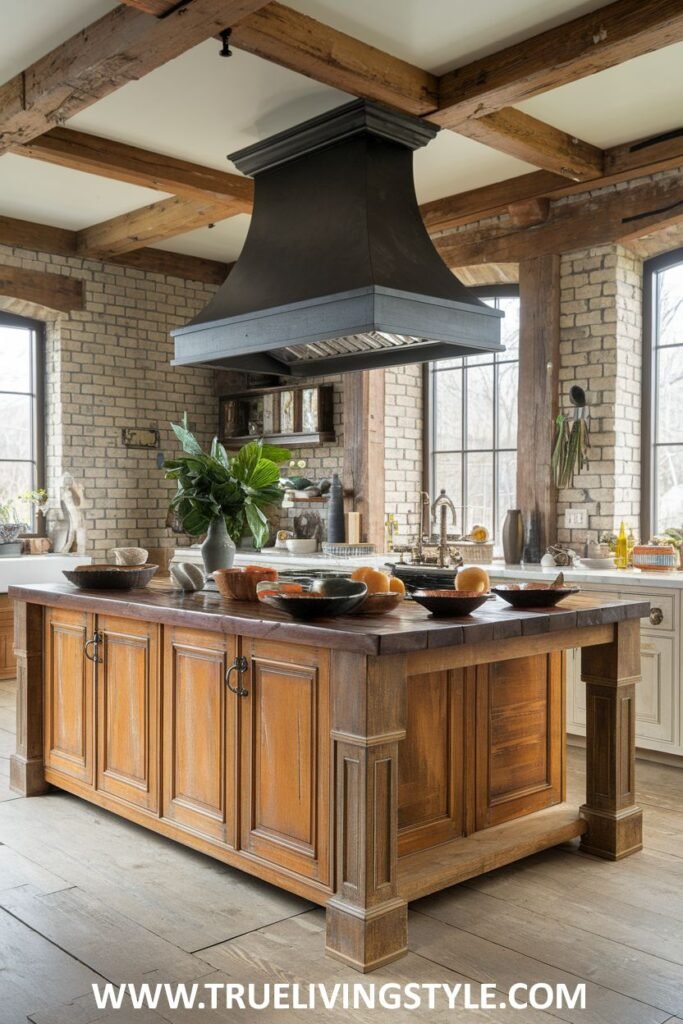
point(648, 490)
point(494, 291)
point(37, 327)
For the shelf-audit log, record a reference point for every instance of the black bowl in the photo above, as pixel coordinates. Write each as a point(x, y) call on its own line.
point(546, 598)
point(449, 602)
point(110, 577)
point(320, 599)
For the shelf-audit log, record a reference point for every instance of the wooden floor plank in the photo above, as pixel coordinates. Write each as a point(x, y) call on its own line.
point(630, 972)
point(107, 942)
point(182, 896)
point(34, 973)
point(294, 951)
point(488, 961)
point(552, 895)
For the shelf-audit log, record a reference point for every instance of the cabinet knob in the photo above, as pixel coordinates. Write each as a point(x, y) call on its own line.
point(239, 665)
point(93, 643)
point(656, 616)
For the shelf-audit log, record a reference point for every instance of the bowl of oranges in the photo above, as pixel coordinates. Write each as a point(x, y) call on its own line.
point(385, 592)
point(312, 598)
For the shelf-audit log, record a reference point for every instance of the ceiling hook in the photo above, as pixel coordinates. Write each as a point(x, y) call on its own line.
point(225, 36)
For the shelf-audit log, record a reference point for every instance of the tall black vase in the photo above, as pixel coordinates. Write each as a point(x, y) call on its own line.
point(532, 540)
point(335, 512)
point(513, 537)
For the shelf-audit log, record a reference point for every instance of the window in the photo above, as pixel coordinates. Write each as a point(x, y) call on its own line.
point(663, 394)
point(21, 383)
point(472, 404)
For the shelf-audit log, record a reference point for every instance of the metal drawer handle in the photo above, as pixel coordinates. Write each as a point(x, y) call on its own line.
point(239, 665)
point(656, 616)
point(94, 642)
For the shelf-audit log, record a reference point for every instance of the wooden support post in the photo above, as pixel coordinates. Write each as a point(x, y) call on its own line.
point(26, 765)
point(539, 359)
point(367, 921)
point(611, 671)
point(364, 450)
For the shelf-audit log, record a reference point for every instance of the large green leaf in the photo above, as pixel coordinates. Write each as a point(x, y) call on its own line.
point(187, 439)
point(277, 455)
point(258, 524)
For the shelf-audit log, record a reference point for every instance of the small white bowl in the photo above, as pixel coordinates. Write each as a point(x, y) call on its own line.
point(297, 546)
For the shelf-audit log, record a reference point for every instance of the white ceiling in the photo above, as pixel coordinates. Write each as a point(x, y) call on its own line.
point(201, 107)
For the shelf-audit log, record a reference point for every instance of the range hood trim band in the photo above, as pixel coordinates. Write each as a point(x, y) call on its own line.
point(362, 311)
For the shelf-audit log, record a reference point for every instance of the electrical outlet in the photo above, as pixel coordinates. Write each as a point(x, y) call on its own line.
point(576, 519)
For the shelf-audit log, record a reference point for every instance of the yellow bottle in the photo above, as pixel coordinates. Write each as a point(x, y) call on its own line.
point(621, 550)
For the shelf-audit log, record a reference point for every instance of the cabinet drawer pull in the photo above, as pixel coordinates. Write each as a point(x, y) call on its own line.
point(239, 665)
point(656, 616)
point(94, 642)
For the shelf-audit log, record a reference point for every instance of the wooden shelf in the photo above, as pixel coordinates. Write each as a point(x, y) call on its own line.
point(285, 440)
point(428, 871)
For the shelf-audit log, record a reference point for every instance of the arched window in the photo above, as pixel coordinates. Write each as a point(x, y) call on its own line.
point(472, 425)
point(21, 412)
point(662, 484)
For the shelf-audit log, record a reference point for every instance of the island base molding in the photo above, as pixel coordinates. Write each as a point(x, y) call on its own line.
point(358, 781)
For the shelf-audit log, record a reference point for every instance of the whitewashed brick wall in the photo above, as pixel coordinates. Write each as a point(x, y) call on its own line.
point(600, 350)
point(404, 427)
point(108, 367)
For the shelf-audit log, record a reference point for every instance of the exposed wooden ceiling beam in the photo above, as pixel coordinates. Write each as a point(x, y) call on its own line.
point(156, 7)
point(595, 220)
point(644, 156)
point(25, 234)
point(51, 291)
point(150, 224)
point(526, 138)
point(583, 46)
point(122, 46)
point(81, 152)
point(303, 44)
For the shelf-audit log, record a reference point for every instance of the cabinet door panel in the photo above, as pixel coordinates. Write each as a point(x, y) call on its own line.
point(431, 761)
point(519, 737)
point(8, 663)
point(655, 696)
point(68, 694)
point(284, 731)
point(199, 734)
point(128, 711)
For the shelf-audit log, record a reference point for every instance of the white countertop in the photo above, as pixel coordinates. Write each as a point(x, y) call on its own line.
point(37, 569)
point(614, 577)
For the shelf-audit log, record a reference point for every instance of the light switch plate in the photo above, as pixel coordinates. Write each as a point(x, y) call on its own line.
point(576, 519)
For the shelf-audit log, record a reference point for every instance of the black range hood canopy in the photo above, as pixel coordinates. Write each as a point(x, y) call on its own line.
point(337, 272)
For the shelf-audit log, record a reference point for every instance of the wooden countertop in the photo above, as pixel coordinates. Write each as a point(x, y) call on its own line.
point(410, 628)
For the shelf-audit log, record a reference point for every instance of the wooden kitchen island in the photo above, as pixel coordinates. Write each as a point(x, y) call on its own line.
point(358, 762)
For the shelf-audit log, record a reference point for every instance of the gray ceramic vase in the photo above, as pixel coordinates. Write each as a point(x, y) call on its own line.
point(513, 537)
point(218, 550)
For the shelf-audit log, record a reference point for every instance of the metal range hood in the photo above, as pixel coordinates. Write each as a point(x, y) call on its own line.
point(337, 272)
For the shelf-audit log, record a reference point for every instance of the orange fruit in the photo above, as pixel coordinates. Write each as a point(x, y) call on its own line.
point(361, 572)
point(377, 582)
point(396, 586)
point(290, 588)
point(474, 579)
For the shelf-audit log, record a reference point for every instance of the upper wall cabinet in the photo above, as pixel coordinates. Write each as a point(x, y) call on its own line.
point(293, 416)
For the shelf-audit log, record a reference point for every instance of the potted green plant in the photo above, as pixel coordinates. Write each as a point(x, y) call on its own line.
point(224, 495)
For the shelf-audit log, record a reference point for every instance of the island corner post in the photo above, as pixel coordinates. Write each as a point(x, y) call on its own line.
point(374, 808)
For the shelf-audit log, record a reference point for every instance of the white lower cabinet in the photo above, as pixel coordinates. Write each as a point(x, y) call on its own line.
point(658, 696)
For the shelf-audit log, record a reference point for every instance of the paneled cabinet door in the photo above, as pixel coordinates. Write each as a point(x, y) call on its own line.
point(128, 711)
point(519, 737)
point(200, 718)
point(656, 693)
point(68, 694)
point(285, 757)
point(8, 663)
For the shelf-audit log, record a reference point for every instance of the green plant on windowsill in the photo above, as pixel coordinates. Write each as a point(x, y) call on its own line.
point(241, 488)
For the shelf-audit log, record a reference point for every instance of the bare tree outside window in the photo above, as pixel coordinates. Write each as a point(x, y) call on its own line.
point(664, 353)
point(21, 422)
point(473, 427)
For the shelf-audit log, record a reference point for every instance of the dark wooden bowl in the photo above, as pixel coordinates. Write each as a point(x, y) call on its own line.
point(317, 602)
point(110, 577)
point(547, 597)
point(449, 602)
